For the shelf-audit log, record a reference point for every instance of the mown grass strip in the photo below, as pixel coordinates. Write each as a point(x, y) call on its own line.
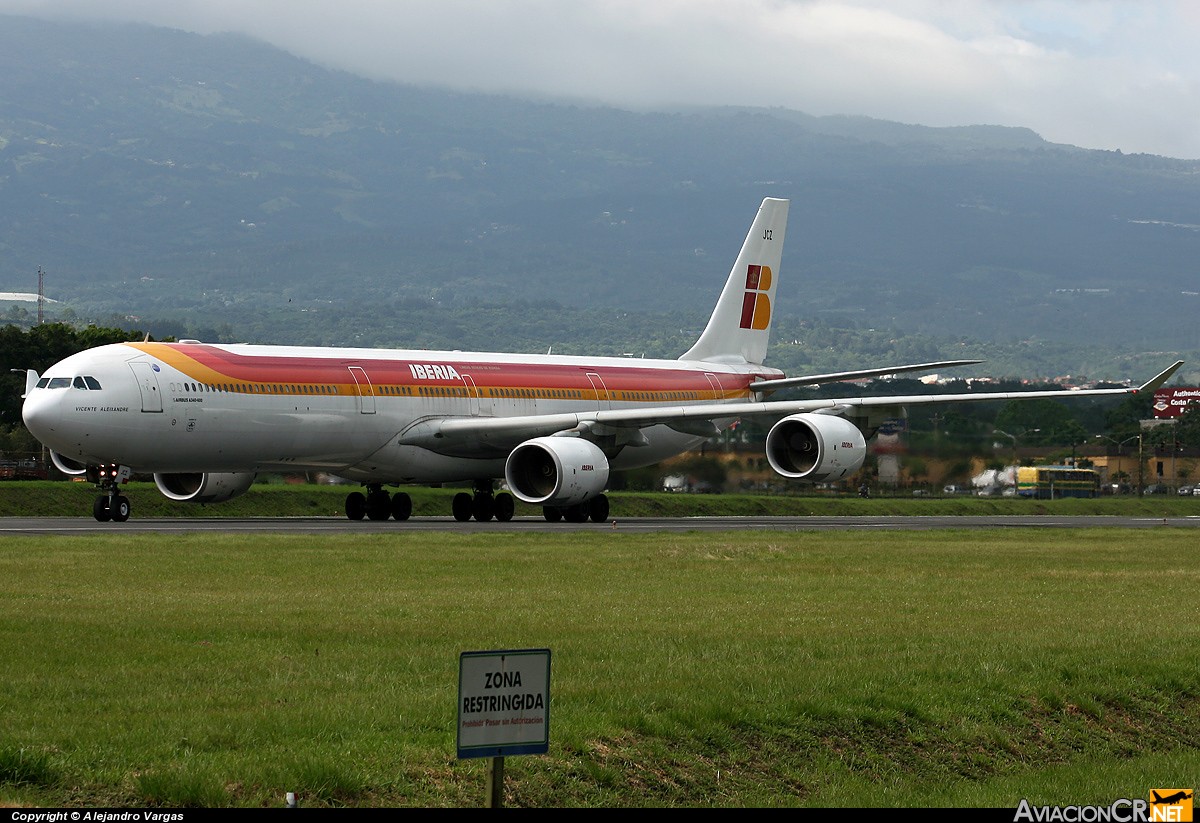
point(743, 669)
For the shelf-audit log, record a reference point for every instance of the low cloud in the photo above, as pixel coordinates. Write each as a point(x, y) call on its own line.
point(1095, 73)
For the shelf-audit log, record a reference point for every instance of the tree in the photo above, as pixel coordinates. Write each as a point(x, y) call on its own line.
point(1187, 427)
point(1041, 422)
point(1125, 419)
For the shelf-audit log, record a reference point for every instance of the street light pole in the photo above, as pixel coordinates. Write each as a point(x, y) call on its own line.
point(1013, 437)
point(1141, 468)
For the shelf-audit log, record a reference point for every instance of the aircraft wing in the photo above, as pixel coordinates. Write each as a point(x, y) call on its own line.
point(451, 435)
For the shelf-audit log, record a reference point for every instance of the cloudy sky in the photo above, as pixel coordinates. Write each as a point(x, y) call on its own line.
point(1105, 74)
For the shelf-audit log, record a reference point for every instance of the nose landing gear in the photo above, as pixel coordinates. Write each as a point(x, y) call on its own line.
point(110, 504)
point(111, 507)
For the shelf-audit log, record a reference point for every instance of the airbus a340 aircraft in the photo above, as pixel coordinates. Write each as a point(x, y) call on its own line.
point(204, 418)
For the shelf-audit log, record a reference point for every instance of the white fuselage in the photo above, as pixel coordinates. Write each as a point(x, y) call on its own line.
point(191, 407)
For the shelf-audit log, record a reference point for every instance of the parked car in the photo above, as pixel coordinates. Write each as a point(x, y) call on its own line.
point(1155, 488)
point(1186, 490)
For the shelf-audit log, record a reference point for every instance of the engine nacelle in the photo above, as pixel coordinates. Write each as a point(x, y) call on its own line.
point(66, 465)
point(195, 487)
point(556, 471)
point(815, 447)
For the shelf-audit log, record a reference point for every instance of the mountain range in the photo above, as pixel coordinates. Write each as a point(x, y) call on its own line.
point(216, 186)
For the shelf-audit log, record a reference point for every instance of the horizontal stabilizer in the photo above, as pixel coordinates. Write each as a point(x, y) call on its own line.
point(834, 377)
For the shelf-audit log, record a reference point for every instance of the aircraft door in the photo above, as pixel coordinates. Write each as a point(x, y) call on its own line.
point(603, 400)
point(365, 391)
point(148, 385)
point(477, 404)
point(715, 384)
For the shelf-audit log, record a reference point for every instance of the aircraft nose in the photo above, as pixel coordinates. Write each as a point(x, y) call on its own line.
point(41, 414)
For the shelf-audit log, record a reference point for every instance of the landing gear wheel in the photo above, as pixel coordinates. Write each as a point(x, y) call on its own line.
point(378, 505)
point(356, 505)
point(100, 509)
point(598, 508)
point(483, 507)
point(462, 506)
point(119, 509)
point(401, 506)
point(576, 514)
point(552, 513)
point(505, 506)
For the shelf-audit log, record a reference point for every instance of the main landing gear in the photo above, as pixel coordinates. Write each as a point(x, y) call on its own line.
point(595, 509)
point(484, 504)
point(110, 504)
point(377, 504)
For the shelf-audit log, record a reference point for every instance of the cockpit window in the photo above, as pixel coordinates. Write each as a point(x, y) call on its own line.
point(85, 382)
point(43, 383)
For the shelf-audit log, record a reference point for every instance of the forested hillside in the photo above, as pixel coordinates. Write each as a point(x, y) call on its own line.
point(218, 188)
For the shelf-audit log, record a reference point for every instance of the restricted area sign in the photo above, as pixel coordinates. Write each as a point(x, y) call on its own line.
point(504, 703)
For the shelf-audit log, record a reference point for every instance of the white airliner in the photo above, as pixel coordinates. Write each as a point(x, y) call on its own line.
point(204, 418)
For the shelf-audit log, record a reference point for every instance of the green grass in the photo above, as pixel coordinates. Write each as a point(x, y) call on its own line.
point(971, 668)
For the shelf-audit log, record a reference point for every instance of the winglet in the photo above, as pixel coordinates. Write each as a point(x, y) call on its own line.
point(1160, 378)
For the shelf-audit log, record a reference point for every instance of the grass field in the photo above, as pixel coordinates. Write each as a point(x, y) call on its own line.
point(953, 669)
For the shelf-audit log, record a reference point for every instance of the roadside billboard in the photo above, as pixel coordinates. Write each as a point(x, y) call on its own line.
point(1171, 402)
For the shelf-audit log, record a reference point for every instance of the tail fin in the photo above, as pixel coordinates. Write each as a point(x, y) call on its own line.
point(740, 326)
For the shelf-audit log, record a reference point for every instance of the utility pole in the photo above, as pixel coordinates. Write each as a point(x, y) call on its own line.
point(41, 294)
point(1141, 468)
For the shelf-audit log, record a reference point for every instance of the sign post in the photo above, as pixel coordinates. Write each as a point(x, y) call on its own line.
point(503, 708)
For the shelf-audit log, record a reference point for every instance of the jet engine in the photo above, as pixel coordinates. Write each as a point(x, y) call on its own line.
point(66, 465)
point(195, 487)
point(556, 471)
point(815, 447)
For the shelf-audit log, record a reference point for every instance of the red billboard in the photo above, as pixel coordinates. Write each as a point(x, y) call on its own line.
point(1173, 401)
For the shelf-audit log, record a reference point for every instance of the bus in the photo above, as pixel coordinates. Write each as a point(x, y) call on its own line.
point(1050, 482)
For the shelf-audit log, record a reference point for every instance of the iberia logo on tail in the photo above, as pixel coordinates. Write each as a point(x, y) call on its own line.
point(756, 305)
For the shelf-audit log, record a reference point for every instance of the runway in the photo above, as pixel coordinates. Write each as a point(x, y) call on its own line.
point(340, 525)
